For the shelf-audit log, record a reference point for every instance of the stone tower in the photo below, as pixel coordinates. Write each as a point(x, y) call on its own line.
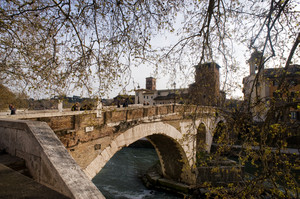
point(150, 83)
point(255, 61)
point(206, 89)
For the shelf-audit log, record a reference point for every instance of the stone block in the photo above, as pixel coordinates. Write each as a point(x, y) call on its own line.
point(117, 116)
point(114, 147)
point(25, 142)
point(97, 147)
point(33, 163)
point(8, 140)
point(105, 155)
point(51, 178)
point(61, 123)
point(120, 140)
point(134, 114)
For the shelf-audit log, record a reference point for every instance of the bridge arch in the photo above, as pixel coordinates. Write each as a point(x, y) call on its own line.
point(201, 144)
point(210, 124)
point(221, 135)
point(165, 139)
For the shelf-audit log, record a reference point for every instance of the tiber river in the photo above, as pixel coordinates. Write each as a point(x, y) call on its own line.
point(120, 178)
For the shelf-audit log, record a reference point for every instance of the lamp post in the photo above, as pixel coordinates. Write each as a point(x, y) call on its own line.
point(138, 94)
point(174, 84)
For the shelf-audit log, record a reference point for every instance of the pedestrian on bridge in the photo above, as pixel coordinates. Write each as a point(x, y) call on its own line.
point(75, 107)
point(12, 109)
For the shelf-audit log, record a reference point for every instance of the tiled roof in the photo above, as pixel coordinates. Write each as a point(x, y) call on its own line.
point(171, 96)
point(293, 70)
point(167, 97)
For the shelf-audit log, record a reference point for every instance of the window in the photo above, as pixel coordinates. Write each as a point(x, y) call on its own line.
point(293, 115)
point(151, 97)
point(275, 83)
point(144, 96)
point(147, 97)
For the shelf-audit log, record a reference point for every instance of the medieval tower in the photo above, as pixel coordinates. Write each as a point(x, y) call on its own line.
point(206, 89)
point(151, 83)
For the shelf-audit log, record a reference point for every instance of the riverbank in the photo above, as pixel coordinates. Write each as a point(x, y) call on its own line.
point(153, 180)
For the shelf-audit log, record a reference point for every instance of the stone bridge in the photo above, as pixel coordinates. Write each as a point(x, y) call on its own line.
point(177, 132)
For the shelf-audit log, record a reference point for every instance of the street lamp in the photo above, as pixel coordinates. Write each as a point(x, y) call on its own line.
point(174, 84)
point(138, 94)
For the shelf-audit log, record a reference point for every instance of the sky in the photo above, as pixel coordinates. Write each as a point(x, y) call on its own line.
point(233, 86)
point(165, 81)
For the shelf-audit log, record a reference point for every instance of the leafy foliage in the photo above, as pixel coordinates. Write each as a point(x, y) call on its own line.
point(54, 46)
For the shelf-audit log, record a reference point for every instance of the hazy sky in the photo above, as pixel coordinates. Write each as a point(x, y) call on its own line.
point(165, 81)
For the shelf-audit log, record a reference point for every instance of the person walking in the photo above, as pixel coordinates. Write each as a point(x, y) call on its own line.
point(12, 109)
point(75, 107)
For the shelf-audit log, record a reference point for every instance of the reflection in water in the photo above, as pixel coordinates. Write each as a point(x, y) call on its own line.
point(121, 176)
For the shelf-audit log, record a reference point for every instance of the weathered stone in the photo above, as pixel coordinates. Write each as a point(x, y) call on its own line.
point(173, 129)
point(47, 159)
point(220, 172)
point(97, 147)
point(15, 185)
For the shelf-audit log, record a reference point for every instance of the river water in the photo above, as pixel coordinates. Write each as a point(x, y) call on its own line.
point(120, 178)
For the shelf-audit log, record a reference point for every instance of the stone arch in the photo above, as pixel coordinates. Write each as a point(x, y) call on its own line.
point(172, 157)
point(160, 135)
point(219, 134)
point(210, 123)
point(201, 137)
point(201, 142)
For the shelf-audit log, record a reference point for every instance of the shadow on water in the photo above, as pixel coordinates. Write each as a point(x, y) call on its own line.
point(120, 178)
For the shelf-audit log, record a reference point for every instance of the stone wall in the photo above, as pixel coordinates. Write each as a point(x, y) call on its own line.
point(85, 127)
point(46, 158)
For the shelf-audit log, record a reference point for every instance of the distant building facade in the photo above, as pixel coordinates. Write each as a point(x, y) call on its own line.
point(151, 96)
point(205, 91)
point(262, 90)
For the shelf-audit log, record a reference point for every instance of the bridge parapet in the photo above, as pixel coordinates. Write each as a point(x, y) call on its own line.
point(46, 158)
point(85, 135)
point(73, 127)
point(92, 139)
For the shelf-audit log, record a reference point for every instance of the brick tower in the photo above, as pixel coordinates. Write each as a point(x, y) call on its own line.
point(206, 89)
point(150, 83)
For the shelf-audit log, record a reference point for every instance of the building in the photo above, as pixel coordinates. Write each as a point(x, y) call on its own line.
point(205, 91)
point(262, 90)
point(151, 83)
point(151, 96)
